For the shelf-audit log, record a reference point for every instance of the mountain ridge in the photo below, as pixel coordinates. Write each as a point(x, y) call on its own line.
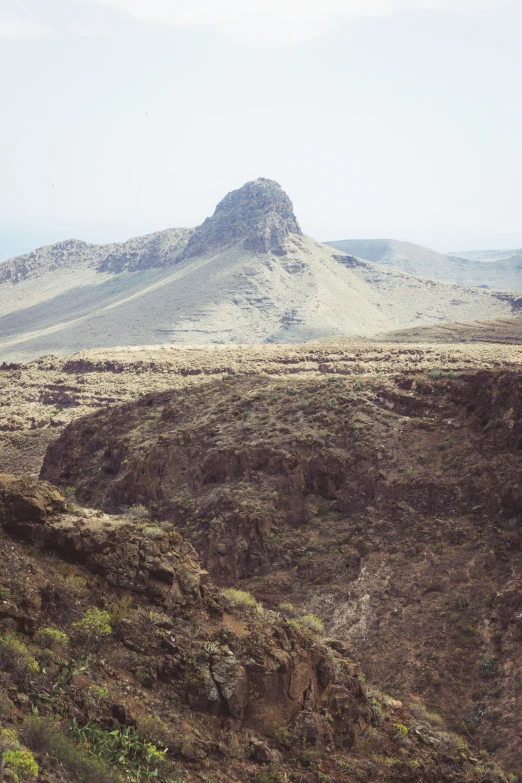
point(247, 274)
point(472, 268)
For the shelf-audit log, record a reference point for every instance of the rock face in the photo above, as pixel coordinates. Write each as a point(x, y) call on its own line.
point(24, 501)
point(260, 215)
point(393, 508)
point(150, 251)
point(265, 681)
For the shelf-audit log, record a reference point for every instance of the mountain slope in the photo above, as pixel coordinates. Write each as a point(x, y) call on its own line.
point(246, 275)
point(492, 269)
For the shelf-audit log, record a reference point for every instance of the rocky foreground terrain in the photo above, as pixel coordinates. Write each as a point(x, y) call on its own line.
point(364, 499)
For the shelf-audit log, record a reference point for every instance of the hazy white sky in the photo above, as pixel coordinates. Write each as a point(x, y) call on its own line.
point(380, 118)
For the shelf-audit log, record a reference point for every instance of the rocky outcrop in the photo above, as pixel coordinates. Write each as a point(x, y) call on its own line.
point(259, 215)
point(27, 502)
point(262, 681)
point(150, 251)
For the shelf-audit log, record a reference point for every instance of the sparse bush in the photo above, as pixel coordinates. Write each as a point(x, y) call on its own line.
point(69, 493)
point(136, 511)
point(76, 585)
point(239, 598)
point(97, 695)
point(377, 709)
point(6, 705)
point(367, 744)
point(5, 593)
point(401, 729)
point(151, 531)
point(154, 729)
point(436, 375)
point(312, 622)
point(94, 625)
point(51, 639)
point(16, 658)
point(420, 712)
point(151, 619)
point(120, 609)
point(287, 609)
point(63, 569)
point(168, 527)
point(488, 667)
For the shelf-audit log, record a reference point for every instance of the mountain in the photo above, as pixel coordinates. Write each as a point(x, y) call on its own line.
point(495, 269)
point(246, 275)
point(487, 255)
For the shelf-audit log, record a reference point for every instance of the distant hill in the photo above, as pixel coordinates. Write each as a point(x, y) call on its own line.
point(498, 270)
point(487, 255)
point(247, 274)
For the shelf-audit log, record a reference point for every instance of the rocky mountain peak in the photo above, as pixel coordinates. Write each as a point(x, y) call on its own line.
point(259, 214)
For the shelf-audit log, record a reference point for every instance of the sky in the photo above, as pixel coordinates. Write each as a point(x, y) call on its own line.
point(379, 118)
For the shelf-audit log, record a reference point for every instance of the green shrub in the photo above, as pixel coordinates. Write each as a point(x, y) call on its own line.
point(74, 584)
point(123, 747)
point(5, 593)
point(16, 658)
point(239, 597)
point(312, 622)
point(436, 375)
point(377, 709)
point(44, 736)
point(120, 609)
point(95, 624)
point(22, 764)
point(51, 639)
point(8, 741)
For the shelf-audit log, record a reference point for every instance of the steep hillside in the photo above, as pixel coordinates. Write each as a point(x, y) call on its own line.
point(246, 275)
point(121, 661)
point(388, 506)
point(489, 269)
